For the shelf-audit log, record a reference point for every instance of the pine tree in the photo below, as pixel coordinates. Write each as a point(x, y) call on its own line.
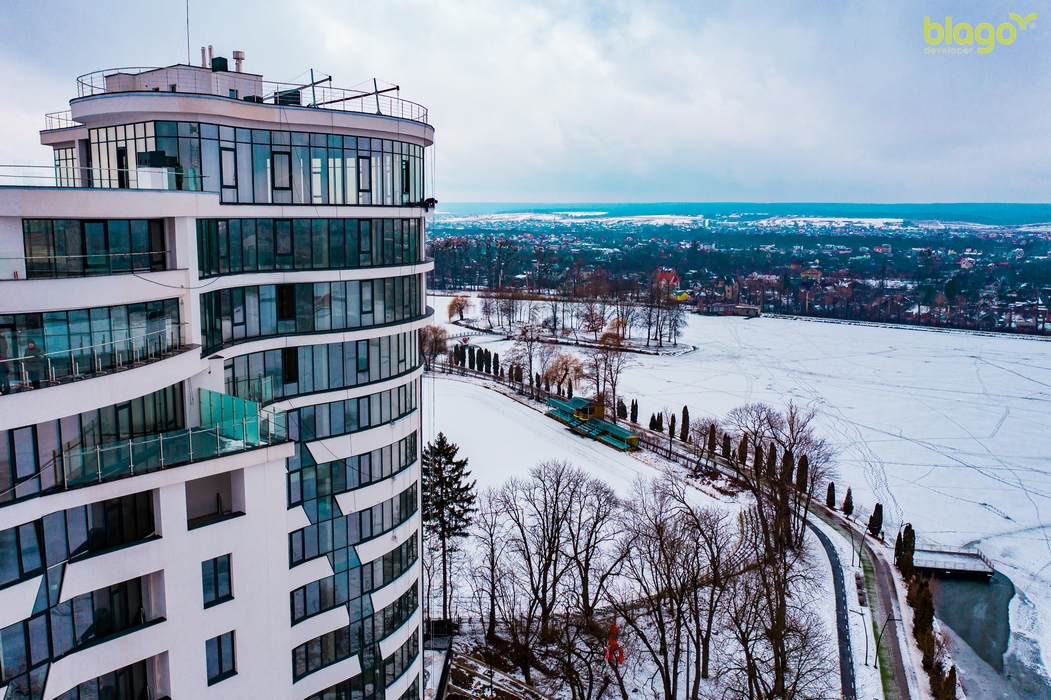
point(671, 426)
point(660, 422)
point(830, 497)
point(848, 504)
point(653, 422)
point(742, 451)
point(803, 474)
point(622, 410)
point(898, 549)
point(711, 439)
point(496, 364)
point(684, 428)
point(771, 462)
point(876, 520)
point(634, 411)
point(757, 460)
point(448, 502)
point(787, 467)
point(727, 447)
point(908, 550)
point(470, 357)
point(949, 688)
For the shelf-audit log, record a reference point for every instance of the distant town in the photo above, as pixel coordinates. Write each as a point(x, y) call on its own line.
point(955, 275)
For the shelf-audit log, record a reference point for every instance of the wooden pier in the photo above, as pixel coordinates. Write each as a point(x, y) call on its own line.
point(955, 562)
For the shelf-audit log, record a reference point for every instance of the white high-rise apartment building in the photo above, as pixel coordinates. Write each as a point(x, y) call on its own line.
point(210, 410)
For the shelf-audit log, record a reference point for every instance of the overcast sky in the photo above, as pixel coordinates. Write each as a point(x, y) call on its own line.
point(592, 101)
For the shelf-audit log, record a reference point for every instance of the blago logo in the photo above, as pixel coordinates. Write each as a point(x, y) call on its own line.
point(964, 35)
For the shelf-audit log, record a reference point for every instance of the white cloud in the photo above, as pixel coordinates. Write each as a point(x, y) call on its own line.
point(545, 101)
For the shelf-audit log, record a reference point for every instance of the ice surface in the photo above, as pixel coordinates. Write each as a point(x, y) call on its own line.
point(950, 431)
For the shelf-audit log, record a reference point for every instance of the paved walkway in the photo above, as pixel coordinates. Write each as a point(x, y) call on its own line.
point(846, 658)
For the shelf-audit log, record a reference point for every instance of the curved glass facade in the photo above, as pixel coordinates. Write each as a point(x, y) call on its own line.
point(259, 166)
point(264, 311)
point(232, 246)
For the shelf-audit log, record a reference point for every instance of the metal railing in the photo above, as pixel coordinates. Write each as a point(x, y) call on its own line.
point(171, 449)
point(93, 265)
point(59, 120)
point(201, 81)
point(130, 178)
point(59, 367)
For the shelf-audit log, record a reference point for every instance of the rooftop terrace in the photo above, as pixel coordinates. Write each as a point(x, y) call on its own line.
point(247, 87)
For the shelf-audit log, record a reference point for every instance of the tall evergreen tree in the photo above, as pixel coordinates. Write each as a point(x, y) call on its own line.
point(757, 460)
point(830, 496)
point(496, 363)
point(660, 422)
point(448, 502)
point(622, 410)
point(684, 428)
point(653, 422)
point(787, 467)
point(634, 411)
point(470, 357)
point(908, 550)
point(742, 451)
point(771, 461)
point(876, 520)
point(711, 438)
point(671, 426)
point(727, 447)
point(802, 474)
point(848, 504)
point(949, 687)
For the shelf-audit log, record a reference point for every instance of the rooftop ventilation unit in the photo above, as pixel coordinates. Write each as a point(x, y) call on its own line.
point(219, 64)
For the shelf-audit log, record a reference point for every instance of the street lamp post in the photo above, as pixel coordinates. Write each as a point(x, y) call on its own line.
point(866, 632)
point(875, 663)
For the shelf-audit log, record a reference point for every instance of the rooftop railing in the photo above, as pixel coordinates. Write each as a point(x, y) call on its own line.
point(38, 370)
point(201, 81)
point(59, 120)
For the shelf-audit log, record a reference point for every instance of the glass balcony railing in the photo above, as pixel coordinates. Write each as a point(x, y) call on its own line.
point(40, 369)
point(172, 449)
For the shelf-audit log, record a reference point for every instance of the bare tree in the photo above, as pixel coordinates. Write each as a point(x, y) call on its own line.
point(488, 307)
point(490, 536)
point(459, 305)
point(617, 359)
point(565, 367)
point(433, 343)
point(653, 598)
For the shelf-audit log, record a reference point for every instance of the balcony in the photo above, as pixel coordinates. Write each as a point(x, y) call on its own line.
point(248, 87)
point(172, 449)
point(36, 371)
point(165, 178)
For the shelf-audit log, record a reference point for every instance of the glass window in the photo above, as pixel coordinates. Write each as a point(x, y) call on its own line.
point(215, 575)
point(219, 653)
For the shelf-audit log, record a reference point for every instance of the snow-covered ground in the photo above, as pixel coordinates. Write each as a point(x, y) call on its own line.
point(950, 431)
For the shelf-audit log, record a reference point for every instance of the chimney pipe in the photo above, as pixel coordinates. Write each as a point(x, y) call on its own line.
point(210, 55)
point(239, 57)
point(204, 61)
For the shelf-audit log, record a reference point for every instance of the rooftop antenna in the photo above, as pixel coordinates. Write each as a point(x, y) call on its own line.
point(187, 32)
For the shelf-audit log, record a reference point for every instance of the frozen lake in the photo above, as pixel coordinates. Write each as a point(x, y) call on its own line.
point(949, 431)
